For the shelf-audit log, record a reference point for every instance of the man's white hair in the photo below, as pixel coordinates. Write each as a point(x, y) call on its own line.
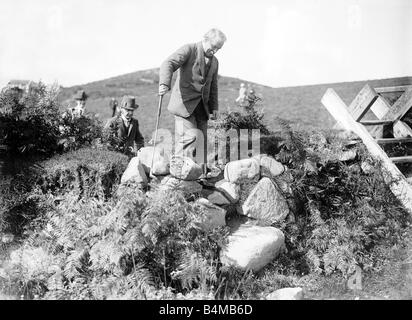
point(215, 35)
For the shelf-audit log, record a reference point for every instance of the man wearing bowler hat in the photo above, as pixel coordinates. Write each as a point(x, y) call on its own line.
point(123, 129)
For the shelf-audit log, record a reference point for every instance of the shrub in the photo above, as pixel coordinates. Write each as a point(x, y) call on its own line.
point(22, 200)
point(32, 124)
point(17, 208)
point(29, 121)
point(130, 246)
point(77, 132)
point(84, 171)
point(249, 118)
point(348, 214)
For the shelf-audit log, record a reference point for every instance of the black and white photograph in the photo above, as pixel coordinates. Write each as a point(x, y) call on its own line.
point(208, 157)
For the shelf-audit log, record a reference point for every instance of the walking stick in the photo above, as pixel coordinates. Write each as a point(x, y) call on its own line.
point(159, 110)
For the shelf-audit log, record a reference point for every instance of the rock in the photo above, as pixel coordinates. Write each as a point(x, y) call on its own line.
point(236, 171)
point(187, 187)
point(7, 237)
point(214, 216)
point(355, 281)
point(215, 196)
point(348, 155)
point(286, 294)
point(185, 168)
point(160, 161)
point(367, 168)
point(284, 181)
point(134, 173)
point(269, 167)
point(230, 189)
point(266, 202)
point(252, 247)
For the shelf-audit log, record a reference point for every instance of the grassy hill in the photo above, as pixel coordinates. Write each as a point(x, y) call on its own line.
point(301, 105)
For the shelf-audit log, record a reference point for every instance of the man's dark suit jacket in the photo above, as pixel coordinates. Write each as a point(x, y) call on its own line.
point(193, 83)
point(126, 136)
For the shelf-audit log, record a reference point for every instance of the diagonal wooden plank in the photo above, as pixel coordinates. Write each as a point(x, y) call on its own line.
point(392, 175)
point(362, 102)
point(400, 107)
point(381, 108)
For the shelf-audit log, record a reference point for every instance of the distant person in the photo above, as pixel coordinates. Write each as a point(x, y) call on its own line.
point(252, 98)
point(122, 131)
point(113, 106)
point(194, 98)
point(242, 98)
point(80, 107)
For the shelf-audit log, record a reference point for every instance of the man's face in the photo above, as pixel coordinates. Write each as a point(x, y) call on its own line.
point(210, 47)
point(128, 114)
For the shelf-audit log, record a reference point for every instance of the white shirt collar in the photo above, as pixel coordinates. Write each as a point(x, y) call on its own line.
point(125, 121)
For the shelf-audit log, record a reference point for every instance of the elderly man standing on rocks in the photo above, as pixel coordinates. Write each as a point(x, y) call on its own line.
point(194, 98)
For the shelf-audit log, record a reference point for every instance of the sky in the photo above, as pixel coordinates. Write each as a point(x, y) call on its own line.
point(272, 42)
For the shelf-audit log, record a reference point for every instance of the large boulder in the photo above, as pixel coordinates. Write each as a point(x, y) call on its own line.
point(160, 160)
point(269, 167)
point(239, 170)
point(252, 247)
point(213, 217)
point(266, 203)
point(134, 173)
point(286, 294)
point(230, 189)
point(184, 168)
point(187, 187)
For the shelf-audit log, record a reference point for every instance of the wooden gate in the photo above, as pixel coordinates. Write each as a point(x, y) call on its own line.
point(386, 128)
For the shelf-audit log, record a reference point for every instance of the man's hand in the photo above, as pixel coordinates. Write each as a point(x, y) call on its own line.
point(163, 89)
point(214, 115)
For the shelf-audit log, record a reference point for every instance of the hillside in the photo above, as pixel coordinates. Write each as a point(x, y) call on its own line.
point(301, 105)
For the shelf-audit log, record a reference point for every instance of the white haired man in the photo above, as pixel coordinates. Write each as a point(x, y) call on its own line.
point(194, 98)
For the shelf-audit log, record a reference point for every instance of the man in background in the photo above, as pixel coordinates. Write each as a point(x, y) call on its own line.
point(122, 131)
point(242, 99)
point(80, 107)
point(194, 98)
point(113, 106)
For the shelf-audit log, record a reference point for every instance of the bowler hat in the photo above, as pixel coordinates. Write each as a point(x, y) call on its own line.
point(129, 103)
point(80, 95)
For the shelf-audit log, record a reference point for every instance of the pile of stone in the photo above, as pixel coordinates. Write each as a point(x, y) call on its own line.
point(253, 242)
point(172, 172)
